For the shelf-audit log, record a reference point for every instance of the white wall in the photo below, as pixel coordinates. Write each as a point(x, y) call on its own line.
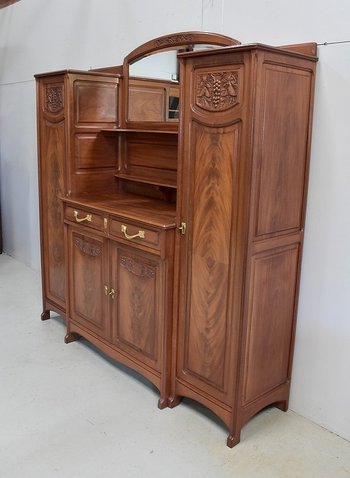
point(38, 36)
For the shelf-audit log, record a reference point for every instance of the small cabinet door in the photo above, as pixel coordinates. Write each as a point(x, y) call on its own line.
point(87, 275)
point(136, 310)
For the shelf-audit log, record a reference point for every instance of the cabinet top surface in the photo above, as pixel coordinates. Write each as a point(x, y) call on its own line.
point(128, 206)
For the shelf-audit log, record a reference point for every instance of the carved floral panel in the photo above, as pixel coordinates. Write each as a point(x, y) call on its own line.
point(87, 247)
point(54, 98)
point(138, 268)
point(217, 91)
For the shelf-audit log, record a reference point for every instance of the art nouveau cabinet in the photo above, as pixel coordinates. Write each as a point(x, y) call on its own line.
point(172, 224)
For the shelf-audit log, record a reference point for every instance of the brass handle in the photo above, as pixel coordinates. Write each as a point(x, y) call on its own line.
point(140, 234)
point(87, 218)
point(106, 290)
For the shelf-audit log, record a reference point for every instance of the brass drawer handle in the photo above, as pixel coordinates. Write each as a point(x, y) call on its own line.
point(87, 218)
point(140, 234)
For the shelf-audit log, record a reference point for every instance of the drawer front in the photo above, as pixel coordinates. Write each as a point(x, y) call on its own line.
point(135, 233)
point(84, 217)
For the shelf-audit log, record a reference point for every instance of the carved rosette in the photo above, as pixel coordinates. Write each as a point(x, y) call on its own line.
point(217, 91)
point(174, 40)
point(87, 247)
point(54, 98)
point(137, 268)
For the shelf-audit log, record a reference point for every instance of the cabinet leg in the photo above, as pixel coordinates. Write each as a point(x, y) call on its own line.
point(282, 405)
point(45, 315)
point(71, 337)
point(174, 401)
point(233, 439)
point(163, 403)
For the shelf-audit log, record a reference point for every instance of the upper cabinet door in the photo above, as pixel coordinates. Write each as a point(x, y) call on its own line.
point(209, 196)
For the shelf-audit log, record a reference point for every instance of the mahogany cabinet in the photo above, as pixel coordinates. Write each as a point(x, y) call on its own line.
point(72, 107)
point(174, 244)
point(244, 164)
point(120, 281)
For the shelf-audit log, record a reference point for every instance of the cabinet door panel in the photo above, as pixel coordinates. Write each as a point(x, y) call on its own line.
point(136, 308)
point(207, 260)
point(87, 282)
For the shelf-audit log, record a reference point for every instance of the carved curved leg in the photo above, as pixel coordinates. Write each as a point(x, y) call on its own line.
point(71, 337)
point(45, 315)
point(173, 401)
point(233, 439)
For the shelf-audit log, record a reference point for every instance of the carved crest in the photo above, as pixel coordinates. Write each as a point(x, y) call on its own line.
point(87, 247)
point(174, 40)
point(54, 98)
point(137, 268)
point(217, 91)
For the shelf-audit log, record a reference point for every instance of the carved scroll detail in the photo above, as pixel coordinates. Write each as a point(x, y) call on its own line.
point(87, 247)
point(173, 40)
point(54, 98)
point(137, 268)
point(217, 91)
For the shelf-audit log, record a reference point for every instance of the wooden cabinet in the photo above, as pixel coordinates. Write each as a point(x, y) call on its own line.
point(120, 281)
point(183, 239)
point(72, 107)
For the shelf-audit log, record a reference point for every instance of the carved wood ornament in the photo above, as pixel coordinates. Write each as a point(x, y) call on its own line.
point(54, 98)
point(137, 268)
point(217, 91)
point(87, 247)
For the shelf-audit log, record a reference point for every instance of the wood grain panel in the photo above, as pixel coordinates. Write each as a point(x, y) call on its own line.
point(285, 121)
point(146, 103)
point(87, 282)
point(135, 314)
point(270, 320)
point(94, 151)
point(95, 102)
point(208, 283)
point(52, 169)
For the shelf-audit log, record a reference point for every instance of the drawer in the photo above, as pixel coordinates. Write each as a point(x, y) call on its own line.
point(84, 217)
point(134, 233)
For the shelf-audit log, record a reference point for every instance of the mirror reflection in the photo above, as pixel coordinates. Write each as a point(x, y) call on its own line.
point(154, 85)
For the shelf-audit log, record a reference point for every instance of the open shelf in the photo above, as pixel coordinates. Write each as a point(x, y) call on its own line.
point(128, 130)
point(145, 180)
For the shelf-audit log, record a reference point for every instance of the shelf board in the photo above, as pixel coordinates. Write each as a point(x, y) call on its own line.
point(145, 180)
point(129, 130)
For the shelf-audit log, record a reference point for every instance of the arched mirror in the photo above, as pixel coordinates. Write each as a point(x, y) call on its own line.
point(152, 77)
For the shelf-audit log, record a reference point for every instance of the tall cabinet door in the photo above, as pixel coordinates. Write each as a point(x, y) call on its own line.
point(89, 290)
point(207, 341)
point(137, 309)
point(52, 183)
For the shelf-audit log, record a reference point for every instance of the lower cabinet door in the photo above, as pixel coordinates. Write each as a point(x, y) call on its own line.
point(89, 290)
point(137, 309)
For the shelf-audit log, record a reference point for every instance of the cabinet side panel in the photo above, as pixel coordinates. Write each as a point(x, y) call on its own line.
point(270, 320)
point(54, 190)
point(283, 149)
point(207, 317)
point(52, 157)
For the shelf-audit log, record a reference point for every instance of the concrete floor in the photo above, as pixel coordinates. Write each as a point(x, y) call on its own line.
point(68, 412)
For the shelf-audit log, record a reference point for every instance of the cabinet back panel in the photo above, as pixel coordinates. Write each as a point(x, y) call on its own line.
point(95, 102)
